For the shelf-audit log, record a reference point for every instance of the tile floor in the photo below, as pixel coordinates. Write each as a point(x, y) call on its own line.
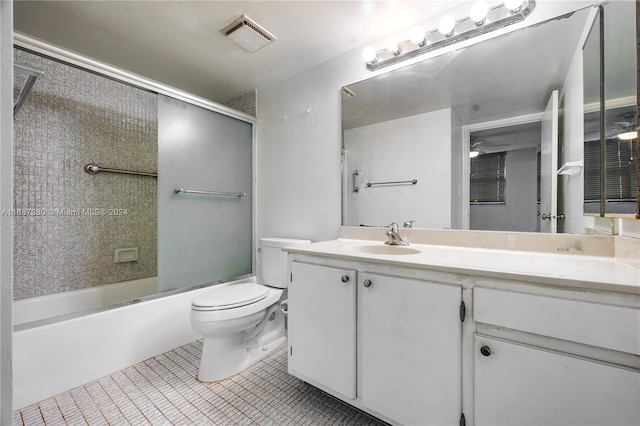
point(164, 391)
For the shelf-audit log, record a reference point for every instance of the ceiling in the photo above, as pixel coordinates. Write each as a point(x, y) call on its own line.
point(179, 42)
point(508, 138)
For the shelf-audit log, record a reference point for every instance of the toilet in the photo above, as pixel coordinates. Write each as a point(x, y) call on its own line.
point(242, 321)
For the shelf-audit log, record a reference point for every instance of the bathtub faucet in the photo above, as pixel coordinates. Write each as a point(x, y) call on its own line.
point(394, 236)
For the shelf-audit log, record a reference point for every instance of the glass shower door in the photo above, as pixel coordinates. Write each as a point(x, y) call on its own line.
point(203, 236)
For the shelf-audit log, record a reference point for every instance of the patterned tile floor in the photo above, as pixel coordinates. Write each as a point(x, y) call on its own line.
point(164, 391)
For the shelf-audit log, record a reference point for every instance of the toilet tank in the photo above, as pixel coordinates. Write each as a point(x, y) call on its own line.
point(274, 261)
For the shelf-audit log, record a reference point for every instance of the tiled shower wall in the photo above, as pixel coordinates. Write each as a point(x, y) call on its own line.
point(67, 223)
point(244, 103)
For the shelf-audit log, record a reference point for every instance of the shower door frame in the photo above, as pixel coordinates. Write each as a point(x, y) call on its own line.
point(141, 82)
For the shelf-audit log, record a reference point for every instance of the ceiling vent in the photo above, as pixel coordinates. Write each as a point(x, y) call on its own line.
point(248, 34)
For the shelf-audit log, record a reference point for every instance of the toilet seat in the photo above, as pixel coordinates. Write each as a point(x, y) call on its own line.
point(230, 296)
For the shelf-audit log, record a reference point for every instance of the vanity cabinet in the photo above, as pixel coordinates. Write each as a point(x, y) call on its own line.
point(322, 326)
point(411, 349)
point(546, 359)
point(389, 344)
point(468, 336)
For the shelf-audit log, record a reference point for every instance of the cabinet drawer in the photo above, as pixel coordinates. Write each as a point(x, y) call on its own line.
point(595, 324)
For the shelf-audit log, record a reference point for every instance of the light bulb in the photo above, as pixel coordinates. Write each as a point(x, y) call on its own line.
point(369, 55)
point(473, 154)
point(513, 5)
point(628, 136)
point(392, 45)
point(417, 36)
point(479, 11)
point(446, 25)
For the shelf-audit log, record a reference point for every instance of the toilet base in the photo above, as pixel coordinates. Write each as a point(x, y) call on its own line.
point(222, 357)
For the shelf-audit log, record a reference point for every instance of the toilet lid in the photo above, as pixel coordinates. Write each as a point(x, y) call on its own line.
point(230, 296)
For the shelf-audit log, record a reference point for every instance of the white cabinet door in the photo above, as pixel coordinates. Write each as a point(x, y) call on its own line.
point(322, 326)
point(411, 354)
point(521, 385)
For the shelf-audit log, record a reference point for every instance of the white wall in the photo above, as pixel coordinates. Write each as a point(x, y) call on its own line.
point(457, 170)
point(299, 175)
point(416, 147)
point(520, 211)
point(572, 187)
point(6, 197)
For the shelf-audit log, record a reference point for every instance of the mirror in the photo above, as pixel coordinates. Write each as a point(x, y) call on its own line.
point(420, 122)
point(611, 138)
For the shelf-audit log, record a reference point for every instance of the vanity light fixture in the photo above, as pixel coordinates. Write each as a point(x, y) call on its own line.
point(392, 46)
point(514, 5)
point(446, 25)
point(478, 12)
point(369, 55)
point(481, 20)
point(417, 36)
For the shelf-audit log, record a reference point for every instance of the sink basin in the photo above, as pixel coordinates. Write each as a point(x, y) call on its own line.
point(383, 249)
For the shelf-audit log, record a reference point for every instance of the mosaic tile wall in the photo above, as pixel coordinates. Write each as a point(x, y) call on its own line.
point(67, 223)
point(244, 103)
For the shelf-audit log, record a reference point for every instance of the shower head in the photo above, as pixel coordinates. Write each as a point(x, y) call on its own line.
point(33, 74)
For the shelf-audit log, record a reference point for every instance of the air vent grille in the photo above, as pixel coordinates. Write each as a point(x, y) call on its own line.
point(248, 34)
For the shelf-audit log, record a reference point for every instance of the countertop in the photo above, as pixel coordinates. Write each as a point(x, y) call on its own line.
point(588, 272)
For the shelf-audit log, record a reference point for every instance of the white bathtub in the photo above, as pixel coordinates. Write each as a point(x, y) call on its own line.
point(70, 302)
point(57, 356)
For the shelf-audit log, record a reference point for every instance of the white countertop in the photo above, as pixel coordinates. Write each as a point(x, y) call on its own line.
point(602, 273)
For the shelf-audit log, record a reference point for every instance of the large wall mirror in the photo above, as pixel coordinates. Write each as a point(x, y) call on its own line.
point(474, 138)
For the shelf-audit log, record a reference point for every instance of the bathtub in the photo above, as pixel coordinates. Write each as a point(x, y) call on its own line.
point(53, 355)
point(36, 311)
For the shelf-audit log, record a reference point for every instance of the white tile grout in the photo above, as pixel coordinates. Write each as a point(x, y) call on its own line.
point(163, 390)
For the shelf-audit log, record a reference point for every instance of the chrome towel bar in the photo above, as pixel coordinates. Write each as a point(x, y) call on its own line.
point(94, 169)
point(195, 191)
point(398, 182)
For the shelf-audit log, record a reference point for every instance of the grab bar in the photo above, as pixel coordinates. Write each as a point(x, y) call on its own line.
point(94, 169)
point(195, 191)
point(398, 182)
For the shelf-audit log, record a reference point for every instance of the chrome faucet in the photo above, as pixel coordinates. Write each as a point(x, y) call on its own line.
point(394, 236)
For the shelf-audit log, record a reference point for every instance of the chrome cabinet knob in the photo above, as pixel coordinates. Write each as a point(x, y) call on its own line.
point(485, 350)
point(345, 278)
point(367, 283)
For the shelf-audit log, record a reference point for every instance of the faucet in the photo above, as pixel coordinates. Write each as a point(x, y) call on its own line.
point(408, 224)
point(394, 236)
